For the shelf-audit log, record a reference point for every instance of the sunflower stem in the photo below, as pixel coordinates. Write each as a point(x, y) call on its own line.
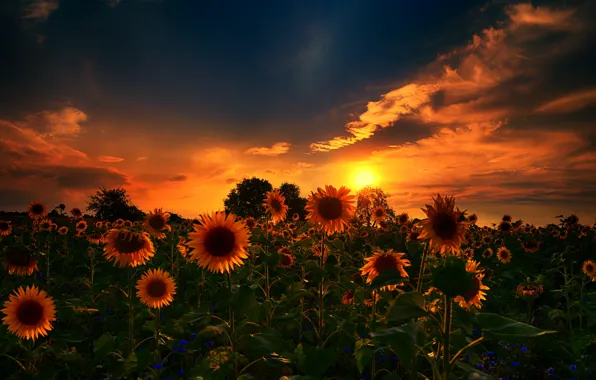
point(232, 327)
point(321, 295)
point(447, 336)
point(421, 272)
point(157, 320)
point(130, 312)
point(373, 323)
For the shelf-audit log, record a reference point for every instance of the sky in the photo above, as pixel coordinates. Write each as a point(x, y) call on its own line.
point(492, 102)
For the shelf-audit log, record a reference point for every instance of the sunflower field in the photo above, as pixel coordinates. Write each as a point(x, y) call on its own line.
point(331, 297)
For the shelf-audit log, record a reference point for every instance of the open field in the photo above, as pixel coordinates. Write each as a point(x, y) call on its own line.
point(392, 298)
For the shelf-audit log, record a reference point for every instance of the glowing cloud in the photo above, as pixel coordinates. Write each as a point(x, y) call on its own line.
point(110, 159)
point(275, 150)
point(570, 102)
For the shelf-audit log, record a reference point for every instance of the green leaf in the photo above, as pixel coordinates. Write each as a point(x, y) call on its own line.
point(404, 340)
point(363, 353)
point(474, 374)
point(387, 277)
point(406, 306)
point(315, 361)
point(498, 327)
point(103, 346)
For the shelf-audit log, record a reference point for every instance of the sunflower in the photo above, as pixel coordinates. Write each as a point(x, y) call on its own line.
point(507, 218)
point(96, 238)
point(529, 291)
point(128, 248)
point(403, 218)
point(63, 230)
point(414, 235)
point(331, 208)
point(76, 213)
point(286, 260)
point(45, 225)
point(29, 313)
point(128, 223)
point(478, 244)
point(382, 261)
point(81, 226)
point(311, 231)
point(442, 227)
point(531, 246)
point(37, 210)
point(5, 228)
point(275, 205)
point(19, 260)
point(487, 253)
point(156, 223)
point(250, 223)
point(468, 252)
point(296, 217)
point(379, 213)
point(486, 240)
point(474, 295)
point(383, 225)
point(589, 269)
point(473, 218)
point(505, 226)
point(504, 255)
point(119, 222)
point(156, 288)
point(220, 242)
point(348, 297)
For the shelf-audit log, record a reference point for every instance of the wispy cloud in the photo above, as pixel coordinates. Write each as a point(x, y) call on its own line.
point(178, 178)
point(570, 102)
point(65, 122)
point(526, 14)
point(110, 159)
point(39, 9)
point(275, 150)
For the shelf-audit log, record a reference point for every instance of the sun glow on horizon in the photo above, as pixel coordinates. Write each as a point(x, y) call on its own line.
point(363, 178)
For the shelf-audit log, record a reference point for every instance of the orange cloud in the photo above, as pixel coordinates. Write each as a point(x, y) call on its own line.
point(110, 159)
point(526, 14)
point(275, 150)
point(61, 123)
point(380, 114)
point(40, 9)
point(569, 102)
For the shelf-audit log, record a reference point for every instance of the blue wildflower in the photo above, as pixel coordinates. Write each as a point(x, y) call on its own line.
point(99, 318)
point(479, 366)
point(347, 350)
point(183, 342)
point(515, 364)
point(524, 348)
point(209, 343)
point(550, 370)
point(572, 367)
point(193, 335)
point(181, 372)
point(157, 366)
point(394, 358)
point(490, 353)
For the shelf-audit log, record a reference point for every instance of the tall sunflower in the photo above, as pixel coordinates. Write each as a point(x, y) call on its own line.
point(19, 260)
point(589, 268)
point(504, 255)
point(331, 208)
point(275, 205)
point(156, 288)
point(5, 228)
point(37, 210)
point(76, 213)
point(474, 295)
point(381, 261)
point(442, 226)
point(219, 243)
point(379, 213)
point(403, 218)
point(128, 248)
point(156, 223)
point(29, 313)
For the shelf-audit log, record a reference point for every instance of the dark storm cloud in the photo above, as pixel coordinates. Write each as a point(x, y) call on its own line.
point(67, 177)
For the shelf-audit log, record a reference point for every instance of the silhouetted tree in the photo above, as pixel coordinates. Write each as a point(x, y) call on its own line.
point(246, 200)
point(175, 218)
point(295, 202)
point(367, 199)
point(54, 213)
point(113, 204)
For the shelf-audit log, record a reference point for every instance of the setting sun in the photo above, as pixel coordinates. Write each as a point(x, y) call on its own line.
point(363, 178)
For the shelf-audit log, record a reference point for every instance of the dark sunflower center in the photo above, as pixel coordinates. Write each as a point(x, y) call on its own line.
point(37, 209)
point(330, 208)
point(156, 288)
point(276, 205)
point(80, 226)
point(589, 268)
point(379, 212)
point(19, 258)
point(76, 212)
point(403, 219)
point(129, 242)
point(445, 226)
point(473, 291)
point(157, 222)
point(30, 312)
point(250, 223)
point(504, 254)
point(385, 262)
point(220, 241)
point(285, 260)
point(3, 226)
point(45, 225)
